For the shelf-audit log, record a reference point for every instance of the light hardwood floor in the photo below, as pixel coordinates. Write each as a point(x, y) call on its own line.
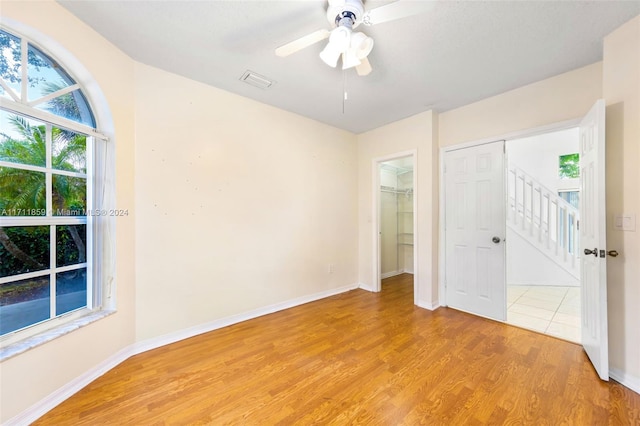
point(356, 358)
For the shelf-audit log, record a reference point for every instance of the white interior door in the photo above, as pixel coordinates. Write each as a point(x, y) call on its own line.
point(593, 239)
point(475, 230)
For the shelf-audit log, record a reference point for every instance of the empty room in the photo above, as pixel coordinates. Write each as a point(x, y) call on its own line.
point(319, 212)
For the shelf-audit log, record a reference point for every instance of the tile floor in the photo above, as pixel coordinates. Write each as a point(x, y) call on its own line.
point(547, 309)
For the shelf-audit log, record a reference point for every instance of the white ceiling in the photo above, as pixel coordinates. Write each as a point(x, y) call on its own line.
point(455, 54)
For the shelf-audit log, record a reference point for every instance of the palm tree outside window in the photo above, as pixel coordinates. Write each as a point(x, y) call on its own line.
point(47, 179)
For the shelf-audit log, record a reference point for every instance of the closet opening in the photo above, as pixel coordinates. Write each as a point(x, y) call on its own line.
point(396, 224)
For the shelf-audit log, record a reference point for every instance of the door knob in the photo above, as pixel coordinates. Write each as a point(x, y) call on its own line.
point(612, 253)
point(593, 252)
point(496, 240)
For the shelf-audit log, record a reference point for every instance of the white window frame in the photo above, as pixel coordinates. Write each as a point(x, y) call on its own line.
point(99, 198)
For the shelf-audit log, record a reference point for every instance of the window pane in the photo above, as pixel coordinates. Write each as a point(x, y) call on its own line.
point(71, 290)
point(569, 166)
point(45, 75)
point(22, 140)
point(69, 196)
point(24, 303)
point(23, 249)
point(69, 151)
point(71, 244)
point(10, 65)
point(22, 192)
point(571, 197)
point(73, 106)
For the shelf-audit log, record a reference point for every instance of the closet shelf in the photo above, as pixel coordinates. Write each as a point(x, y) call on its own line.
point(397, 204)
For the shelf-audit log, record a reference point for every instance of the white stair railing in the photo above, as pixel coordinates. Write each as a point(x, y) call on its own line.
point(544, 219)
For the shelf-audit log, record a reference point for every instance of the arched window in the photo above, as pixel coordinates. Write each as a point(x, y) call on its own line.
point(52, 212)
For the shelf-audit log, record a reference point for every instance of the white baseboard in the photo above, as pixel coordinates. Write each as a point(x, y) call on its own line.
point(45, 405)
point(429, 306)
point(394, 273)
point(54, 399)
point(166, 339)
point(366, 287)
point(389, 274)
point(625, 379)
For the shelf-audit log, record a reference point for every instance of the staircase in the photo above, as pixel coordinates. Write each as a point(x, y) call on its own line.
point(543, 219)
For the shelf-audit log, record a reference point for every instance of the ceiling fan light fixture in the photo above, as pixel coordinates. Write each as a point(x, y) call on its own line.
point(350, 59)
point(361, 44)
point(339, 42)
point(344, 16)
point(330, 55)
point(340, 38)
point(345, 12)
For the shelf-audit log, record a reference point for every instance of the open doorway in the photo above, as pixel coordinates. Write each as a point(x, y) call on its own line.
point(542, 258)
point(396, 222)
point(467, 171)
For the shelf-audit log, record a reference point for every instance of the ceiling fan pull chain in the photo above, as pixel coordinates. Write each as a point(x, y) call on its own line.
point(344, 90)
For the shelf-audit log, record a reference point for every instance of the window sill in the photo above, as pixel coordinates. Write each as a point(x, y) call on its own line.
point(22, 346)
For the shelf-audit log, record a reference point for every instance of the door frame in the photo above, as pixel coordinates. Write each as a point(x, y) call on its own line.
point(376, 214)
point(534, 131)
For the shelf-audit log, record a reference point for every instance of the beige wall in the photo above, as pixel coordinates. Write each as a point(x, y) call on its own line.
point(621, 91)
point(414, 133)
point(240, 205)
point(563, 97)
point(31, 376)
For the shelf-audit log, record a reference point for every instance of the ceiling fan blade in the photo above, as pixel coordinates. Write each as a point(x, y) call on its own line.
point(301, 43)
point(397, 10)
point(364, 68)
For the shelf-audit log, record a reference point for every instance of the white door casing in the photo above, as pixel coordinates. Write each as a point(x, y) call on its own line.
point(376, 285)
point(475, 230)
point(593, 238)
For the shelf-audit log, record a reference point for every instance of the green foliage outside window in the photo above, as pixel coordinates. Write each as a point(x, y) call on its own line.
point(570, 166)
point(24, 249)
point(43, 175)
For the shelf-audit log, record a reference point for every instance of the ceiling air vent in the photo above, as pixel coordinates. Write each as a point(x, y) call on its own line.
point(257, 80)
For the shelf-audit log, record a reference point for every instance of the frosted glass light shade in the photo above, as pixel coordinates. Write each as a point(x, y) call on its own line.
point(350, 59)
point(330, 55)
point(362, 44)
point(340, 38)
point(339, 41)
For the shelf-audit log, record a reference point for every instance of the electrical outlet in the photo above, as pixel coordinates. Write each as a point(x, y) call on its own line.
point(330, 268)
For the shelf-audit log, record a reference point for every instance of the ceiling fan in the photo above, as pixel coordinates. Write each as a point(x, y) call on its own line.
point(354, 47)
